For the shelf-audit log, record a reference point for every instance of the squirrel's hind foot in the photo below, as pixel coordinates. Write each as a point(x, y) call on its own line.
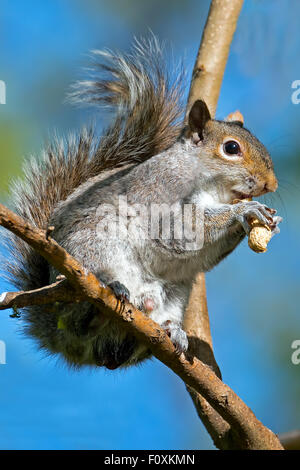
point(177, 335)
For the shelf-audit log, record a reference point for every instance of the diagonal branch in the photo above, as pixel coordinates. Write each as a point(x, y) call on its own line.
point(195, 374)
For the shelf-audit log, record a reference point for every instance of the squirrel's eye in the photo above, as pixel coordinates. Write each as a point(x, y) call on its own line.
point(231, 147)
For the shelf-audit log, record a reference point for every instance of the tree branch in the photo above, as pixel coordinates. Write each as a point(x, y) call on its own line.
point(197, 375)
point(206, 83)
point(290, 440)
point(56, 292)
point(213, 52)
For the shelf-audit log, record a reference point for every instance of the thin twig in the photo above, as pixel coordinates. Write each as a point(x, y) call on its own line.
point(56, 292)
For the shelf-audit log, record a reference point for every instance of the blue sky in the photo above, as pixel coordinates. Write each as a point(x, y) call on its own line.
point(253, 299)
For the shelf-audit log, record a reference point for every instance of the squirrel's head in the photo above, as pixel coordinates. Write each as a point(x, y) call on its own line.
point(242, 162)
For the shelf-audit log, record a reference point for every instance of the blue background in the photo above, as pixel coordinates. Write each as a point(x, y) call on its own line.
point(253, 299)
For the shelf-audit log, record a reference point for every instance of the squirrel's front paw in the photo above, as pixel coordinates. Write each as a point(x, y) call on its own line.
point(249, 210)
point(177, 336)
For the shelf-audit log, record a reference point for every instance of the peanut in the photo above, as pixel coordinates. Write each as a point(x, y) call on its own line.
point(260, 234)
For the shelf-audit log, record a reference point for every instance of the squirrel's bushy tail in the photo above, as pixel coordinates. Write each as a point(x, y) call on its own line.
point(147, 106)
point(146, 101)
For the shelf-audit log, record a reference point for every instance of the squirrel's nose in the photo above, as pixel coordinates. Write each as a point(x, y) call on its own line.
point(271, 185)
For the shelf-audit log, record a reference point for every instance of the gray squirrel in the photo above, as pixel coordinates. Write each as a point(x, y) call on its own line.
point(145, 207)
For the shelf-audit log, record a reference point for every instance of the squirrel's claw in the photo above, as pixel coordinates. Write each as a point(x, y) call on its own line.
point(274, 227)
point(120, 291)
point(253, 210)
point(177, 336)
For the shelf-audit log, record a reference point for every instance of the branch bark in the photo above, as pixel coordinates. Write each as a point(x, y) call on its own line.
point(213, 52)
point(290, 440)
point(197, 375)
point(56, 292)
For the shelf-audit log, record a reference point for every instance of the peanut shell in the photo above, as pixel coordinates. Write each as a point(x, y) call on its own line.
point(259, 237)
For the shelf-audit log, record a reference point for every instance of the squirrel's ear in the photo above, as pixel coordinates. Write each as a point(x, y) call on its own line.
point(235, 117)
point(198, 117)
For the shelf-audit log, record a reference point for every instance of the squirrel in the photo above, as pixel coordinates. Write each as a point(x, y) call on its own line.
point(185, 174)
